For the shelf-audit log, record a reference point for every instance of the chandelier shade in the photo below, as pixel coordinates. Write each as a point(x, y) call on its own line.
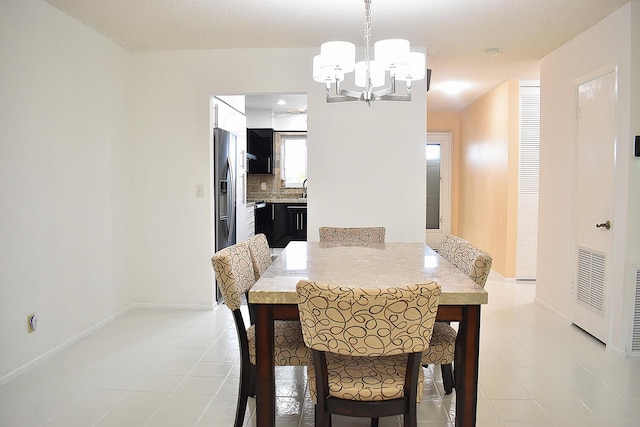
point(392, 59)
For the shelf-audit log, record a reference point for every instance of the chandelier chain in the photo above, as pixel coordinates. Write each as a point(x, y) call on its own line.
point(367, 42)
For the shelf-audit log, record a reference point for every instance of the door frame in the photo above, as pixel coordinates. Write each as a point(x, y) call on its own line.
point(444, 139)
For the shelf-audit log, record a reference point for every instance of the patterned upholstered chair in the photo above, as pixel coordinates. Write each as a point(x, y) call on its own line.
point(352, 236)
point(476, 264)
point(235, 276)
point(366, 345)
point(260, 254)
point(472, 261)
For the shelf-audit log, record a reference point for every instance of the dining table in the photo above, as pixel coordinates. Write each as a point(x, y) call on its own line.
point(371, 265)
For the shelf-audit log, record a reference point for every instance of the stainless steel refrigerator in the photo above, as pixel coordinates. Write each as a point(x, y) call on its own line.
point(224, 193)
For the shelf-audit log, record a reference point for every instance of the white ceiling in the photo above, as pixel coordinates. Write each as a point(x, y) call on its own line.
point(455, 32)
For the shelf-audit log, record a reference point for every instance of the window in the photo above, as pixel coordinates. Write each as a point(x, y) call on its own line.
point(433, 186)
point(294, 159)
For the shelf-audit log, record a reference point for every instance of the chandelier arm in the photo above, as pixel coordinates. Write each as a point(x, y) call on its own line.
point(350, 93)
point(341, 98)
point(395, 97)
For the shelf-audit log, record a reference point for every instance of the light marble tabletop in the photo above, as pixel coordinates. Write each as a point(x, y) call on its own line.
point(387, 264)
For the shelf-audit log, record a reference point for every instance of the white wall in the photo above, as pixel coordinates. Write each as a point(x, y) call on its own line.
point(63, 179)
point(606, 43)
point(366, 165)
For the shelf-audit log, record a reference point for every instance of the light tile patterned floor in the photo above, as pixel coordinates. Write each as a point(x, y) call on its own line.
point(179, 368)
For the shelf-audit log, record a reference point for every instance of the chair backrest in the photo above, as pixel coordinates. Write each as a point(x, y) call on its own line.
point(473, 262)
point(367, 321)
point(352, 235)
point(234, 273)
point(260, 254)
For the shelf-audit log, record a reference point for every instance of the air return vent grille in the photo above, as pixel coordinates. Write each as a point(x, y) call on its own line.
point(635, 345)
point(591, 278)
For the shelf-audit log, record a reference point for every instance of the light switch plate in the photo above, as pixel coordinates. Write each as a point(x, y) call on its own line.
point(199, 190)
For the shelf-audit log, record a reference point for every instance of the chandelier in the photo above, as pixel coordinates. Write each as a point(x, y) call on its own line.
point(392, 58)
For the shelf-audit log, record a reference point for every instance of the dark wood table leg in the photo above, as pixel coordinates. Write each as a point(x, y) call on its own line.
point(466, 366)
point(265, 370)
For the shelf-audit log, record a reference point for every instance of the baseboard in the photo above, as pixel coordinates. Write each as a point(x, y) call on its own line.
point(173, 306)
point(550, 308)
point(495, 276)
point(62, 346)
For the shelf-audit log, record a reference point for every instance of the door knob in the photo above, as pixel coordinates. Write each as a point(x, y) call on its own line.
point(606, 225)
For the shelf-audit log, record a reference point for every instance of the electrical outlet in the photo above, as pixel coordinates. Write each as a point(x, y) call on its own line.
point(32, 323)
point(263, 185)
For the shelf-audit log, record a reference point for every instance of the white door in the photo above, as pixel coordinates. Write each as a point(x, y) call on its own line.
point(596, 101)
point(438, 158)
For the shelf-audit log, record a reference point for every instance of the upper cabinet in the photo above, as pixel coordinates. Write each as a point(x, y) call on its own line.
point(260, 151)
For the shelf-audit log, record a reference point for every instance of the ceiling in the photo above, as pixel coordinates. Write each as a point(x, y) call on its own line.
point(455, 32)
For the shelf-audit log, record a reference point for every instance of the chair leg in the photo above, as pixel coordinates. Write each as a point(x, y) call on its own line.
point(252, 382)
point(322, 419)
point(374, 422)
point(447, 378)
point(411, 417)
point(246, 381)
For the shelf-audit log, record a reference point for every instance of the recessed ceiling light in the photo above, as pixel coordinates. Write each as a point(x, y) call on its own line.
point(493, 51)
point(281, 102)
point(453, 88)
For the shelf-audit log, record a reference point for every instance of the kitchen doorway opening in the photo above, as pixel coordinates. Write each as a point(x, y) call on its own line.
point(438, 209)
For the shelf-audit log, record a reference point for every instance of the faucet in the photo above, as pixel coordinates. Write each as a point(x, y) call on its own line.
point(304, 189)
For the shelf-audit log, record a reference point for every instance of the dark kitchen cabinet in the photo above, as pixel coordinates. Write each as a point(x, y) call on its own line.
point(297, 221)
point(263, 221)
point(260, 151)
point(282, 223)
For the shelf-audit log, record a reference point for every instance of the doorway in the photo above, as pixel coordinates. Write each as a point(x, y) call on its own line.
point(438, 209)
point(595, 163)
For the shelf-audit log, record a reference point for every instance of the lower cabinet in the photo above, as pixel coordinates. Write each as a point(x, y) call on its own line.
point(282, 223)
point(297, 221)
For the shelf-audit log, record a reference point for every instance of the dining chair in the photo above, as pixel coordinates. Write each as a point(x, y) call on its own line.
point(473, 262)
point(235, 277)
point(352, 236)
point(261, 257)
point(366, 345)
point(476, 264)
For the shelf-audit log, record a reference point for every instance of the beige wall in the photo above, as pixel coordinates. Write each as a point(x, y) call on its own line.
point(487, 174)
point(449, 122)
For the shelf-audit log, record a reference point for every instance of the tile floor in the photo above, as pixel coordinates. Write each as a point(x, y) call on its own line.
point(154, 367)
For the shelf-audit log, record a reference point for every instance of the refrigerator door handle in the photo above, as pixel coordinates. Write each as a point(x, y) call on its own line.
point(231, 199)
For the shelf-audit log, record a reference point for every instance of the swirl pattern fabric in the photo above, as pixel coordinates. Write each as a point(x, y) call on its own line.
point(352, 236)
point(288, 349)
point(473, 262)
point(260, 254)
point(365, 378)
point(366, 333)
point(234, 273)
point(443, 345)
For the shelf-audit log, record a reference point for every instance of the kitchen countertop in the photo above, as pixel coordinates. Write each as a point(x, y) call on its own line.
point(278, 200)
